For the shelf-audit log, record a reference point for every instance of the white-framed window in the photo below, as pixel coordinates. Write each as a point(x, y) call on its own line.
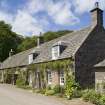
point(49, 77)
point(30, 58)
point(55, 52)
point(62, 79)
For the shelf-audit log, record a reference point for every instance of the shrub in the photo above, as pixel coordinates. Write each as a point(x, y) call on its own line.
point(59, 95)
point(49, 92)
point(57, 89)
point(86, 95)
point(27, 87)
point(36, 90)
point(70, 87)
point(92, 96)
point(48, 88)
point(42, 91)
point(102, 100)
point(20, 83)
point(77, 93)
point(21, 79)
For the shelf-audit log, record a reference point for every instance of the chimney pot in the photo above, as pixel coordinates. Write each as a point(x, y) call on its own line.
point(97, 4)
point(97, 15)
point(11, 52)
point(40, 39)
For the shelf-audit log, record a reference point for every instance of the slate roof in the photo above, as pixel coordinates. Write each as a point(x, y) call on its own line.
point(73, 40)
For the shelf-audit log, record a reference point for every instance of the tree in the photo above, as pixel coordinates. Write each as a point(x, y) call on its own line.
point(27, 43)
point(52, 35)
point(30, 42)
point(8, 40)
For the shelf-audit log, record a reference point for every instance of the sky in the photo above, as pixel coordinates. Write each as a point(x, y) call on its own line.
point(30, 17)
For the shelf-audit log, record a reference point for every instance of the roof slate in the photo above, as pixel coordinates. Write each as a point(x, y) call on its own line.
point(74, 40)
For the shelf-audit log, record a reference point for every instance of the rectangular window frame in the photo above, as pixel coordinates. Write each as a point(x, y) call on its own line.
point(62, 78)
point(49, 75)
point(55, 52)
point(30, 58)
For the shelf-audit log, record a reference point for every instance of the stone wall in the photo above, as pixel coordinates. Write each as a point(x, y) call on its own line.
point(100, 79)
point(89, 54)
point(55, 78)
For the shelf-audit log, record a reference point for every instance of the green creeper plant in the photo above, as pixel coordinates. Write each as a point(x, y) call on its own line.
point(70, 86)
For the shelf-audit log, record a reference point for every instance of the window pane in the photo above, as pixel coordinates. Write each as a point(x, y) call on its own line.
point(30, 58)
point(55, 52)
point(62, 80)
point(49, 77)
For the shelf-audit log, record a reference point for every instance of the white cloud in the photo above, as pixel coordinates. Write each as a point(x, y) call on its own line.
point(25, 24)
point(8, 18)
point(61, 12)
point(102, 4)
point(34, 6)
point(82, 6)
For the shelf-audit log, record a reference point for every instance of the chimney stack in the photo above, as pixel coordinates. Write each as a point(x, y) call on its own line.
point(40, 39)
point(11, 53)
point(97, 15)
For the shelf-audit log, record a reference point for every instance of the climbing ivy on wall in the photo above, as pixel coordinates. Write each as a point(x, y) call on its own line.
point(53, 65)
point(66, 65)
point(8, 75)
point(23, 75)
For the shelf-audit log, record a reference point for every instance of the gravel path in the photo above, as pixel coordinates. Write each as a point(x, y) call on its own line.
point(9, 95)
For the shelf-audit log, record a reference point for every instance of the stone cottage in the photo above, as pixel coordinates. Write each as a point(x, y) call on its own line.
point(85, 48)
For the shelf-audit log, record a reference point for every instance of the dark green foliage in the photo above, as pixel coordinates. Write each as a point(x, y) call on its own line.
point(71, 86)
point(77, 93)
point(8, 78)
point(56, 89)
point(59, 90)
point(30, 42)
point(8, 40)
point(48, 88)
point(20, 83)
point(52, 35)
point(27, 43)
point(21, 79)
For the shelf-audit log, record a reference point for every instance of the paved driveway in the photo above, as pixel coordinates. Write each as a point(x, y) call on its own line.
point(9, 95)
